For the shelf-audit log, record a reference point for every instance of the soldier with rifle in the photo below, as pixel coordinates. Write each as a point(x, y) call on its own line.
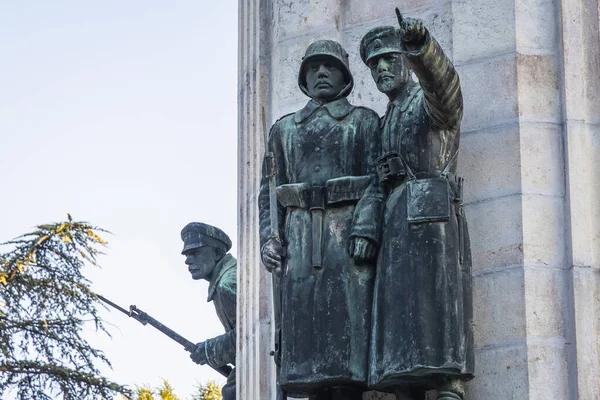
point(205, 248)
point(319, 184)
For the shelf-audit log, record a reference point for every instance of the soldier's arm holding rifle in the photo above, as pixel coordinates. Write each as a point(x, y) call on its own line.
point(219, 350)
point(273, 250)
point(144, 319)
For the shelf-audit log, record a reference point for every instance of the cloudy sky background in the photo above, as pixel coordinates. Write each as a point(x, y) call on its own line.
point(123, 113)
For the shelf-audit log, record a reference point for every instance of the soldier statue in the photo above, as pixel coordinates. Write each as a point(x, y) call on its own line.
point(422, 307)
point(328, 207)
point(205, 249)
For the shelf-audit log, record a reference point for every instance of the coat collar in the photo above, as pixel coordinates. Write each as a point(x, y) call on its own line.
point(221, 268)
point(338, 109)
point(404, 101)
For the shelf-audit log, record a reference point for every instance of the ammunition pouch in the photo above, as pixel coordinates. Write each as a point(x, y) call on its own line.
point(428, 200)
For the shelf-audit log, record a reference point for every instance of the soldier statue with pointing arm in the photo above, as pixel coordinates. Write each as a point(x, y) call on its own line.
point(422, 336)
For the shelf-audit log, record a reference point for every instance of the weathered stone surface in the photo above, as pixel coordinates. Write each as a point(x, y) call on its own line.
point(502, 373)
point(542, 159)
point(484, 157)
point(296, 17)
point(489, 102)
point(586, 289)
point(502, 245)
point(360, 11)
point(493, 324)
point(542, 241)
point(537, 80)
point(536, 27)
point(594, 192)
point(580, 181)
point(547, 364)
point(482, 29)
point(546, 291)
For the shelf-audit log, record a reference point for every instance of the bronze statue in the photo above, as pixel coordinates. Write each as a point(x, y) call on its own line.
point(422, 309)
point(205, 249)
point(328, 208)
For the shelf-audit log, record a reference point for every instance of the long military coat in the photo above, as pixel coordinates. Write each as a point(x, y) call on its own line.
point(422, 303)
point(325, 160)
point(222, 291)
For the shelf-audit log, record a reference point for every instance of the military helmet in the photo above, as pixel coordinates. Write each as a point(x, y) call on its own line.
point(380, 40)
point(198, 234)
point(326, 48)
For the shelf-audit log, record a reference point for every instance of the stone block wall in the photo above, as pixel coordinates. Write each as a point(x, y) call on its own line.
point(530, 73)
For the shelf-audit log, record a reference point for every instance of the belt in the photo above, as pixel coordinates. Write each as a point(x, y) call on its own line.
point(334, 191)
point(316, 198)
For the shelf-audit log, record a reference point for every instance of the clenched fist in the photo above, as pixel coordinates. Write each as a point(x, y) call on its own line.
point(362, 250)
point(199, 354)
point(272, 255)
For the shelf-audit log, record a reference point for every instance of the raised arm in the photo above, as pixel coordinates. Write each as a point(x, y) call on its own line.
point(437, 76)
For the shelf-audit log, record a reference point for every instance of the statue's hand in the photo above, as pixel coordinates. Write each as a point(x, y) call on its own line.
point(413, 31)
point(199, 354)
point(362, 250)
point(272, 255)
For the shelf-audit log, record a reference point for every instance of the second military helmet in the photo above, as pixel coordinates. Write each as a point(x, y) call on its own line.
point(326, 48)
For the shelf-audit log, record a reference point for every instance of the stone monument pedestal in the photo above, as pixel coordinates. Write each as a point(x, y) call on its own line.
point(529, 154)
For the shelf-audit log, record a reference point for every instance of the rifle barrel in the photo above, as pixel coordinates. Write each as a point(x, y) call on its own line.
point(144, 319)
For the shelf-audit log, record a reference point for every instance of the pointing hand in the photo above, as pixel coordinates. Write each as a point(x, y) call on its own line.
point(412, 29)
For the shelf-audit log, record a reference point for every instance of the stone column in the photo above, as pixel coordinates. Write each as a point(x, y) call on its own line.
point(530, 138)
point(255, 370)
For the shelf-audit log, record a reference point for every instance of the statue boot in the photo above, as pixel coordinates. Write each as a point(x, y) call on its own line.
point(451, 390)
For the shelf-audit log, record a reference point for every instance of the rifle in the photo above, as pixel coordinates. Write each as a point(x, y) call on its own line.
point(144, 319)
point(272, 175)
point(274, 217)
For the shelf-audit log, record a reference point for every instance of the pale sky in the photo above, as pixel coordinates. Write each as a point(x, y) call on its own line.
point(123, 113)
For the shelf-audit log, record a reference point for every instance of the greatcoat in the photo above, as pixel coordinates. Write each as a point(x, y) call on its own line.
point(325, 157)
point(422, 311)
point(222, 290)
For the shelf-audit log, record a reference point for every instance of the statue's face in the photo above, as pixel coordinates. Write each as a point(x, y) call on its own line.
point(201, 262)
point(324, 78)
point(389, 72)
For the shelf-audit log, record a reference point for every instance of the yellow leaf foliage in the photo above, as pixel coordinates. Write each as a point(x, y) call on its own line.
point(210, 391)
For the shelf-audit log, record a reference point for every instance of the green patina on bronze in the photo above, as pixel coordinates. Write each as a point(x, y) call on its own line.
point(329, 207)
point(372, 261)
point(422, 334)
point(205, 248)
